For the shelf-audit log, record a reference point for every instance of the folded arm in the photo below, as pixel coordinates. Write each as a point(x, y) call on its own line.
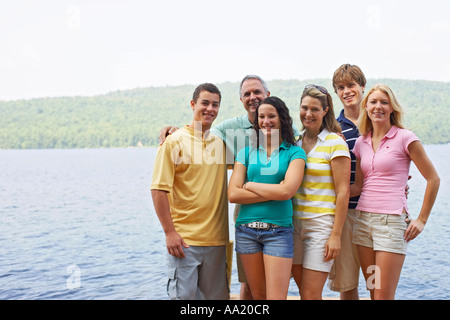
point(286, 189)
point(236, 192)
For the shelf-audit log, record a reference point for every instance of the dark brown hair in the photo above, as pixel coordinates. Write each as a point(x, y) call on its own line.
point(206, 87)
point(287, 133)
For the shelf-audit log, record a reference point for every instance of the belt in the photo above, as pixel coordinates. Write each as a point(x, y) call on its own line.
point(260, 225)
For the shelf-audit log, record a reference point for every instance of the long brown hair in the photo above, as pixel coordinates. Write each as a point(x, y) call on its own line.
point(286, 132)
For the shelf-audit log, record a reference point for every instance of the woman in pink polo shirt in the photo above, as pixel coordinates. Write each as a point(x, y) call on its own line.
point(383, 228)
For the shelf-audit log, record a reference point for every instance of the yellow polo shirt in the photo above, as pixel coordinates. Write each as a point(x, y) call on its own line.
point(192, 169)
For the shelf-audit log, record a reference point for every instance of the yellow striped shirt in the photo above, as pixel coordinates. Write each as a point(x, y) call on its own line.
point(316, 195)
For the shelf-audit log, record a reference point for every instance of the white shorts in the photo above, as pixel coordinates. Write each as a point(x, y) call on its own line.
point(310, 238)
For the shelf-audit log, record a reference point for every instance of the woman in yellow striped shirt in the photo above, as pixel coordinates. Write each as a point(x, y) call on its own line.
point(320, 204)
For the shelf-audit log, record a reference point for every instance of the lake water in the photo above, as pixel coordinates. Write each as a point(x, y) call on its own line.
point(80, 224)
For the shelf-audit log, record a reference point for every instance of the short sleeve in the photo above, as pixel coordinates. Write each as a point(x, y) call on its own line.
point(407, 137)
point(356, 148)
point(339, 149)
point(164, 166)
point(218, 131)
point(242, 156)
point(298, 153)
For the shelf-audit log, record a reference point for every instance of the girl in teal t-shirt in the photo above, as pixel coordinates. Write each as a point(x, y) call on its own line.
point(265, 178)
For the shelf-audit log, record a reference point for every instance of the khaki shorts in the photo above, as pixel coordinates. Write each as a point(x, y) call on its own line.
point(382, 232)
point(310, 238)
point(344, 274)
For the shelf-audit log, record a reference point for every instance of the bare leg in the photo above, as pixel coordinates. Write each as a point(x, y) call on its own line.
point(390, 266)
point(350, 295)
point(367, 259)
point(312, 284)
point(297, 274)
point(245, 293)
point(382, 272)
point(253, 265)
point(278, 273)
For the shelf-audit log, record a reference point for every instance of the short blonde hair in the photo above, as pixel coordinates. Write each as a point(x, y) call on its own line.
point(396, 118)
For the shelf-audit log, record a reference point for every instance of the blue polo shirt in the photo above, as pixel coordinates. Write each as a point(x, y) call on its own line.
point(271, 170)
point(351, 133)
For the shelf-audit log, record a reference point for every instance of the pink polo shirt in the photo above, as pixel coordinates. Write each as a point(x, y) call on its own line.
point(385, 172)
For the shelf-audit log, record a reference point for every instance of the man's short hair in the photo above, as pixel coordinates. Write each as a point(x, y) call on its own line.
point(347, 73)
point(206, 87)
point(252, 76)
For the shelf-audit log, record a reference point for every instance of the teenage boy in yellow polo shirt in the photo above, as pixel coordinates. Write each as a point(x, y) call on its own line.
point(189, 191)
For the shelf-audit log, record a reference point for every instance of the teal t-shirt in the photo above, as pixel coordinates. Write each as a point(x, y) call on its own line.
point(237, 133)
point(268, 170)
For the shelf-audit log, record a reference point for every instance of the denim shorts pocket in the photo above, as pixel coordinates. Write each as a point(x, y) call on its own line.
point(279, 242)
point(288, 231)
point(247, 240)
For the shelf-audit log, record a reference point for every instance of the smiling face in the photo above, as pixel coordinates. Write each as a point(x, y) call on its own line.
point(350, 94)
point(268, 119)
point(312, 113)
point(206, 109)
point(252, 94)
point(379, 107)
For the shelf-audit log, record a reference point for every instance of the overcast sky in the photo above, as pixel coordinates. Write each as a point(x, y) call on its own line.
point(77, 47)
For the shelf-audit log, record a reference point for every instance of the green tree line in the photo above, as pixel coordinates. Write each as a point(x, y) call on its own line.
point(134, 117)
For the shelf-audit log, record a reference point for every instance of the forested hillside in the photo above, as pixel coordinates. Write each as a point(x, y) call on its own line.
point(134, 117)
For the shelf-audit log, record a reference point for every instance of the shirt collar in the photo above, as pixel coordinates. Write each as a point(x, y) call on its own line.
point(342, 118)
point(194, 132)
point(284, 145)
point(389, 135)
point(246, 124)
point(392, 132)
point(322, 135)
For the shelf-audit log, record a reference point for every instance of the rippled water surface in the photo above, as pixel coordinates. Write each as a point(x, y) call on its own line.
point(79, 224)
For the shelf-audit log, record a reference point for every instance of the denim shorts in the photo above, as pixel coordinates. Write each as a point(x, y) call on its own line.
point(276, 241)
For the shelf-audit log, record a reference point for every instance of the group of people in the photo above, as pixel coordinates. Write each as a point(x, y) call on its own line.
point(316, 204)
